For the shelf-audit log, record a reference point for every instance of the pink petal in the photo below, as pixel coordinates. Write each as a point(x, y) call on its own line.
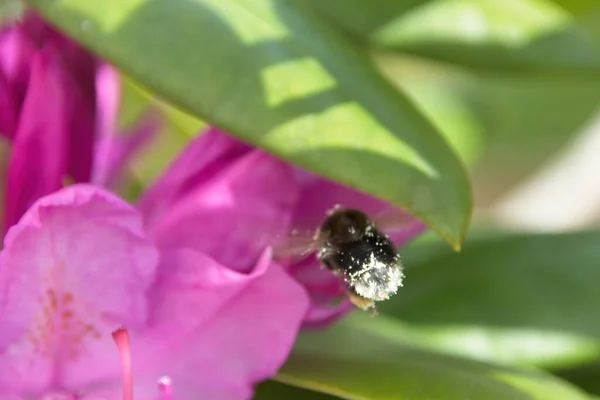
point(79, 69)
point(320, 316)
point(114, 152)
point(108, 91)
point(81, 136)
point(217, 331)
point(12, 396)
point(327, 292)
point(115, 149)
point(81, 63)
point(16, 53)
point(37, 162)
point(76, 265)
point(198, 163)
point(231, 213)
point(53, 140)
point(8, 113)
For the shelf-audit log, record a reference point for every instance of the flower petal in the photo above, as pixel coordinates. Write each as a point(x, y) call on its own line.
point(108, 90)
point(53, 140)
point(16, 53)
point(198, 163)
point(37, 161)
point(81, 63)
point(114, 150)
point(78, 67)
point(219, 331)
point(75, 266)
point(230, 211)
point(8, 113)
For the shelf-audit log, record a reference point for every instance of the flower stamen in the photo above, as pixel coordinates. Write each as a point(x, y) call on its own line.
point(121, 338)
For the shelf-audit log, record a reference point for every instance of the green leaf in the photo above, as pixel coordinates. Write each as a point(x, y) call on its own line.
point(271, 390)
point(514, 346)
point(358, 365)
point(439, 92)
point(577, 7)
point(585, 377)
point(275, 75)
point(546, 282)
point(510, 36)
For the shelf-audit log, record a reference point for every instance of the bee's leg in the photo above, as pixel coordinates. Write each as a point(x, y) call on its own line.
point(373, 311)
point(362, 303)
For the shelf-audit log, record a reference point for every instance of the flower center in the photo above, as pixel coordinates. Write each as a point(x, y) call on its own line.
point(121, 338)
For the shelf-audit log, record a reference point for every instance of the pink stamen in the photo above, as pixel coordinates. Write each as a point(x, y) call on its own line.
point(121, 338)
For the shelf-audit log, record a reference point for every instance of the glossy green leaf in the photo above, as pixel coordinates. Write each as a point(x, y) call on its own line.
point(272, 390)
point(358, 365)
point(439, 92)
point(539, 282)
point(276, 75)
point(530, 37)
point(486, 118)
point(585, 377)
point(514, 346)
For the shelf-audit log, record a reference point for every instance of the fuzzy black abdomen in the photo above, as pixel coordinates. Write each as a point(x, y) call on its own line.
point(351, 258)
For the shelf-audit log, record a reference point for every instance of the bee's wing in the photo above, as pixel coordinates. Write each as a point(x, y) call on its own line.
point(295, 244)
point(393, 220)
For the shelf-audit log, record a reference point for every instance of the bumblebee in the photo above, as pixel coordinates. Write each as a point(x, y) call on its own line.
point(351, 246)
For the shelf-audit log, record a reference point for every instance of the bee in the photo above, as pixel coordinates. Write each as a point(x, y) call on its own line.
point(351, 245)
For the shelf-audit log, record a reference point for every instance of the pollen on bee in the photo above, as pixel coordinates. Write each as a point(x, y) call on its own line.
point(377, 280)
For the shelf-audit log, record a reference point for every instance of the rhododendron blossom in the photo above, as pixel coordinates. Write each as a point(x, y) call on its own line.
point(79, 263)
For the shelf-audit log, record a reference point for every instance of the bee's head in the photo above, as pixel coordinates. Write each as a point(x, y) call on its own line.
point(344, 226)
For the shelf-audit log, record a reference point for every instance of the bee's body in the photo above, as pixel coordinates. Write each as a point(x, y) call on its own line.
point(350, 245)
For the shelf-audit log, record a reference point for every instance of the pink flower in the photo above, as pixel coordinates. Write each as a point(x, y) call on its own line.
point(57, 108)
point(80, 263)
